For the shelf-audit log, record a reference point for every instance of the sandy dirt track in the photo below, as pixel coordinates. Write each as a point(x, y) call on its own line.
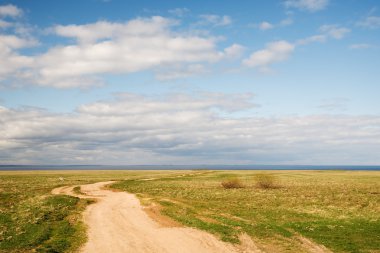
point(117, 223)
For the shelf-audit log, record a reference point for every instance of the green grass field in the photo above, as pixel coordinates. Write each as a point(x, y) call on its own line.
point(339, 209)
point(34, 220)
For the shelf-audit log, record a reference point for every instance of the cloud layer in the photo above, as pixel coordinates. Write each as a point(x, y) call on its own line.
point(183, 129)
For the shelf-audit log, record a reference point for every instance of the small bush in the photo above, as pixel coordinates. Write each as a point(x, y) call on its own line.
point(266, 181)
point(232, 183)
point(77, 190)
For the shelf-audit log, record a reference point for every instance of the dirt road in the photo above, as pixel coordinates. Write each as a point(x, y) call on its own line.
point(117, 223)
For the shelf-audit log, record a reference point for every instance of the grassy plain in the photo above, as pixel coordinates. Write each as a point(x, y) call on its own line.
point(338, 209)
point(34, 220)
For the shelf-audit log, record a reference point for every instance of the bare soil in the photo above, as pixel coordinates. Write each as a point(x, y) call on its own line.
point(117, 223)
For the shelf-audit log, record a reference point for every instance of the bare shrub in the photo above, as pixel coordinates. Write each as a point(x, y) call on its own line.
point(266, 181)
point(232, 183)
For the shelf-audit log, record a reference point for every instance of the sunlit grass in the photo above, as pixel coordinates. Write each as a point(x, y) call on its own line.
point(34, 220)
point(339, 209)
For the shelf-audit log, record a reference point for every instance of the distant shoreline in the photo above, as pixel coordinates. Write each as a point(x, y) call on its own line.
point(189, 167)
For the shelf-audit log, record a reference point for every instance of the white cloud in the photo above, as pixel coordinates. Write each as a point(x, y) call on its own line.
point(360, 46)
point(108, 48)
point(334, 31)
point(104, 30)
point(14, 42)
point(16, 36)
point(105, 48)
point(234, 51)
point(312, 39)
point(281, 50)
point(274, 52)
point(265, 26)
point(372, 22)
point(10, 10)
point(10, 61)
point(215, 20)
point(184, 129)
point(178, 71)
point(5, 24)
point(326, 32)
point(309, 5)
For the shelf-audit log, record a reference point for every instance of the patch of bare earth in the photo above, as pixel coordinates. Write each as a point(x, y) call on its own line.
point(154, 212)
point(117, 223)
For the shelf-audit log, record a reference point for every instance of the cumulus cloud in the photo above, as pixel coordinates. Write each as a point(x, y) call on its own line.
point(281, 50)
point(10, 10)
point(215, 20)
point(104, 30)
point(178, 71)
point(309, 5)
point(233, 51)
point(107, 47)
point(183, 129)
point(12, 62)
point(265, 26)
point(274, 52)
point(104, 47)
point(14, 36)
point(122, 48)
point(371, 22)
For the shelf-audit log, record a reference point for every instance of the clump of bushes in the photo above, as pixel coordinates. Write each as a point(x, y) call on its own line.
point(232, 183)
point(266, 181)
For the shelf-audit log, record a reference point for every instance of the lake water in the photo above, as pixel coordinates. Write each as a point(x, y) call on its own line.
point(187, 167)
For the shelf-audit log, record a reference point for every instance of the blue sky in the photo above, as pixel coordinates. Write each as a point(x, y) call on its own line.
point(189, 82)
